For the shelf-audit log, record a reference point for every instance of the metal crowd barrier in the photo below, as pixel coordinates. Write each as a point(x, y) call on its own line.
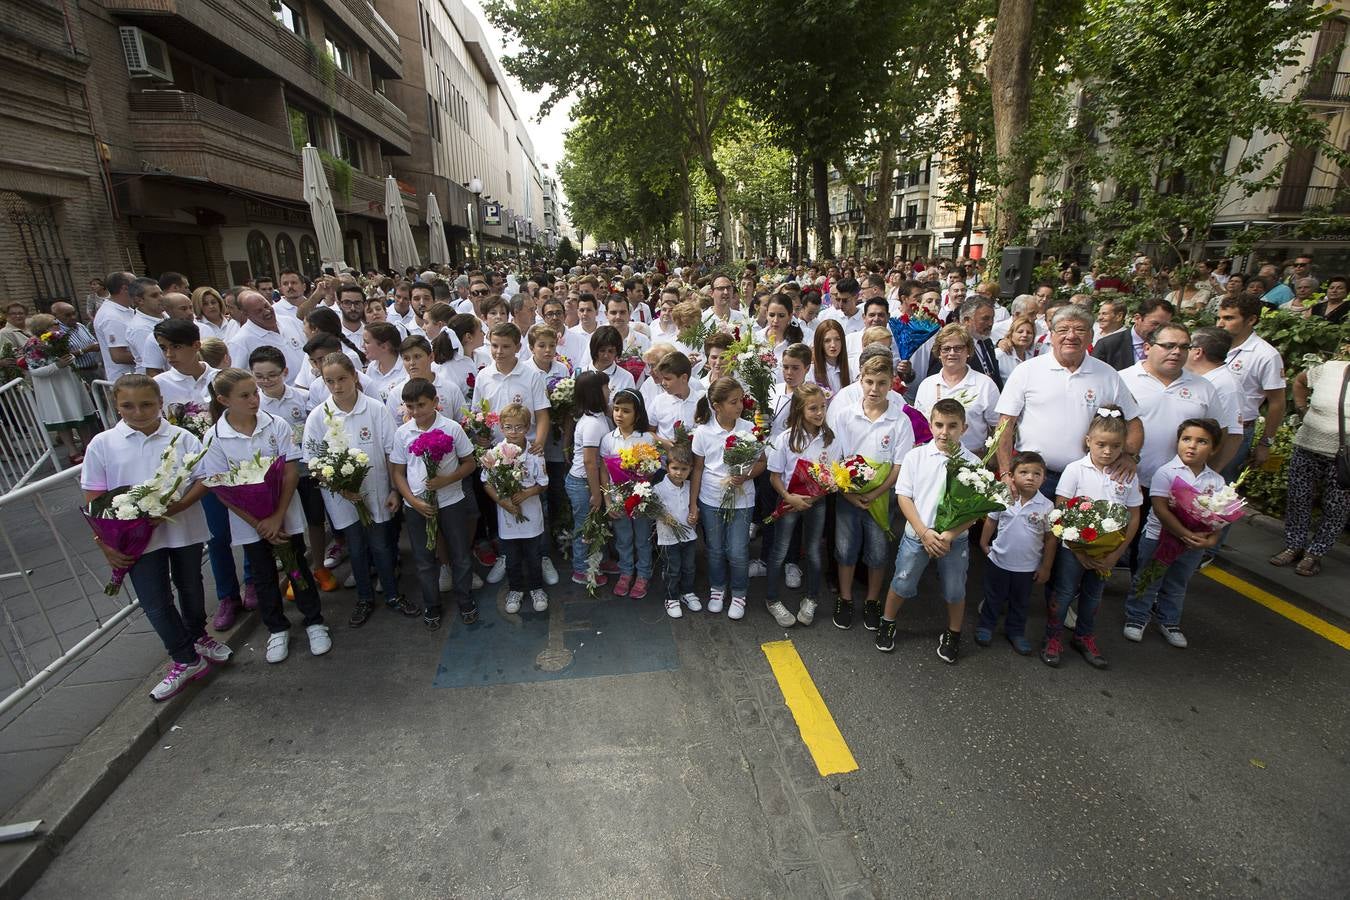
point(101, 390)
point(25, 444)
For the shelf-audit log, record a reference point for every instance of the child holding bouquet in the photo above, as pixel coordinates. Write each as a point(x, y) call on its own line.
point(632, 534)
point(431, 458)
point(362, 510)
point(1021, 553)
point(171, 563)
point(242, 432)
point(1081, 570)
point(520, 514)
point(584, 488)
point(677, 548)
point(799, 472)
point(721, 499)
point(1197, 441)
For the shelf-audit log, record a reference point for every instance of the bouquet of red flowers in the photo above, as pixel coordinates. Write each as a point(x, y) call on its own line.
point(856, 475)
point(632, 362)
point(740, 454)
point(432, 447)
point(809, 479)
point(1092, 527)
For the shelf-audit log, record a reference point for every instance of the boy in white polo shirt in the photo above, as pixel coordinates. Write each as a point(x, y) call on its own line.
point(919, 489)
point(1021, 555)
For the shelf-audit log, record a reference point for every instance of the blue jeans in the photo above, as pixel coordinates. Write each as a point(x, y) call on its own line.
point(857, 533)
point(1167, 594)
point(911, 559)
point(680, 562)
point(367, 547)
point(1072, 581)
point(219, 550)
point(579, 493)
point(1050, 484)
point(726, 538)
point(179, 627)
point(1003, 588)
point(634, 534)
point(813, 526)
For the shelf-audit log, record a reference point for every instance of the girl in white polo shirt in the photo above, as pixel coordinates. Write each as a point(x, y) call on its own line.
point(127, 454)
point(369, 426)
point(1077, 575)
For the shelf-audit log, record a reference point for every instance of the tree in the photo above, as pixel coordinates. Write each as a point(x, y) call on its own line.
point(759, 177)
point(566, 255)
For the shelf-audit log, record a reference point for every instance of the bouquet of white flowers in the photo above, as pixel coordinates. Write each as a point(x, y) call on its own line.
point(340, 467)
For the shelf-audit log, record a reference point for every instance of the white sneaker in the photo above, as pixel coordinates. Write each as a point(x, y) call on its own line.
point(714, 601)
point(673, 608)
point(792, 576)
point(692, 601)
point(278, 646)
point(1172, 634)
point(335, 554)
point(350, 580)
point(758, 569)
point(477, 582)
point(444, 583)
point(539, 599)
point(319, 641)
point(212, 649)
point(806, 614)
point(736, 610)
point(779, 612)
point(178, 676)
point(498, 571)
point(1134, 633)
point(513, 599)
point(550, 573)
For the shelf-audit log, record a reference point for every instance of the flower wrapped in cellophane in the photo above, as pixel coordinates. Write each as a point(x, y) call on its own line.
point(856, 475)
point(504, 468)
point(596, 532)
point(636, 463)
point(971, 490)
point(431, 447)
point(1203, 512)
point(479, 422)
point(254, 486)
point(810, 478)
point(340, 467)
point(192, 417)
point(1092, 527)
point(740, 454)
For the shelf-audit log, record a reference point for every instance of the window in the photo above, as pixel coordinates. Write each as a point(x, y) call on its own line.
point(433, 120)
point(260, 255)
point(309, 255)
point(341, 56)
point(286, 258)
point(349, 148)
point(289, 16)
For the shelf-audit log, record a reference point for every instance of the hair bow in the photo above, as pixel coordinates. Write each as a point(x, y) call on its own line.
point(1108, 413)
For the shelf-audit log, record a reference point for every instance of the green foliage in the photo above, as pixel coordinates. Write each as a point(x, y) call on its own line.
point(759, 183)
point(342, 175)
point(566, 255)
point(299, 128)
point(1302, 342)
point(325, 68)
point(1265, 488)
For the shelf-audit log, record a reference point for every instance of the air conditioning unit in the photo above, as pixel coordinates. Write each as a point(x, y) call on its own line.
point(147, 56)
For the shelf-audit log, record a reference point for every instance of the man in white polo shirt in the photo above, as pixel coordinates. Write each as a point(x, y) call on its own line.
point(1052, 399)
point(844, 306)
point(1209, 350)
point(148, 297)
point(264, 328)
point(1260, 374)
point(110, 326)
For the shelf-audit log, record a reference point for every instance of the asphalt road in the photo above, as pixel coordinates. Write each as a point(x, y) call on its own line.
point(1220, 770)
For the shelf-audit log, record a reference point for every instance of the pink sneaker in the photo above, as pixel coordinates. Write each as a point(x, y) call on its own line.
point(609, 567)
point(639, 588)
point(250, 597)
point(226, 613)
point(580, 578)
point(621, 587)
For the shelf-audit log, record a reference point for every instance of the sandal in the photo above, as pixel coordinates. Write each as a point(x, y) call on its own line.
point(1286, 557)
point(1309, 566)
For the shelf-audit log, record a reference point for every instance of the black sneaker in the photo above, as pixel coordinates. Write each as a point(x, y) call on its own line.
point(361, 613)
point(469, 614)
point(949, 646)
point(431, 619)
point(843, 613)
point(871, 614)
point(886, 636)
point(402, 604)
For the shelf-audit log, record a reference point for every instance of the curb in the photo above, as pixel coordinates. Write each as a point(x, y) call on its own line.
point(1255, 568)
point(77, 787)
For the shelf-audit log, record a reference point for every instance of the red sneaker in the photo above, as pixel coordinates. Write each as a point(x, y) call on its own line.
point(1050, 653)
point(621, 587)
point(1087, 646)
point(639, 589)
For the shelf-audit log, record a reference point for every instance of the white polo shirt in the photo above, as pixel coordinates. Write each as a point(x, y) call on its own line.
point(1020, 540)
point(271, 437)
point(289, 338)
point(923, 479)
point(1055, 406)
point(292, 407)
point(619, 378)
point(284, 307)
point(508, 526)
point(141, 339)
point(575, 344)
point(387, 387)
point(1164, 407)
point(1258, 368)
point(783, 459)
point(888, 438)
point(976, 392)
point(710, 440)
point(123, 456)
point(667, 409)
point(1082, 479)
point(1207, 482)
point(370, 427)
point(851, 323)
point(1227, 397)
point(523, 384)
point(110, 327)
point(591, 429)
point(416, 470)
point(175, 387)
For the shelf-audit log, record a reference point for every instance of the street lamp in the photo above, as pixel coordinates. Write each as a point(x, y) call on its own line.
point(475, 187)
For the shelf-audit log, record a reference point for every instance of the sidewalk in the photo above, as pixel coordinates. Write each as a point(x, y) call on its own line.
point(1257, 538)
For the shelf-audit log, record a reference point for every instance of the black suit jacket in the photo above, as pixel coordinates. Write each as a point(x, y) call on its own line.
point(1116, 350)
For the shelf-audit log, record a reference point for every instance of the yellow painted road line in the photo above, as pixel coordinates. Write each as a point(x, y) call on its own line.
point(1320, 627)
point(819, 732)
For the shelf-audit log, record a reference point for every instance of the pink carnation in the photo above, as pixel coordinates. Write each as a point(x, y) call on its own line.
point(434, 444)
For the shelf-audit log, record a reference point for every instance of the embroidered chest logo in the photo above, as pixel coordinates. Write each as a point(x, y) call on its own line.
point(517, 398)
point(1235, 365)
point(272, 441)
point(1185, 393)
point(1090, 397)
point(885, 442)
point(294, 342)
point(297, 415)
point(1035, 518)
point(365, 433)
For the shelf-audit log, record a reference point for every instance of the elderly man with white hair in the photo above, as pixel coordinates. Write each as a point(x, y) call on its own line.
point(1022, 305)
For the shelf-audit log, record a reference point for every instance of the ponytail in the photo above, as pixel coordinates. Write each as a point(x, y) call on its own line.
point(324, 320)
point(442, 348)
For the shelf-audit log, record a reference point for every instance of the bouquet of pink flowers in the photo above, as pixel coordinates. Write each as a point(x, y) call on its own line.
point(1203, 513)
point(432, 447)
point(192, 417)
point(504, 469)
point(479, 421)
point(254, 486)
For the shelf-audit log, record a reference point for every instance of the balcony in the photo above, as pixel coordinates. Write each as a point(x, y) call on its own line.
point(846, 215)
point(914, 222)
point(1297, 198)
point(244, 40)
point(1328, 87)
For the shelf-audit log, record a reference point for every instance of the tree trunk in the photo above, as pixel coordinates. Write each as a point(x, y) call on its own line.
point(820, 184)
point(968, 222)
point(1009, 72)
point(686, 207)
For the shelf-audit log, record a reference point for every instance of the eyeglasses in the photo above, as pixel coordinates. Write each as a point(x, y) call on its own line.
point(1071, 329)
point(478, 293)
point(1169, 347)
point(514, 427)
point(960, 348)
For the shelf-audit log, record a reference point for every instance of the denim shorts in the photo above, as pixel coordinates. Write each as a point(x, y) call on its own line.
point(911, 560)
point(857, 533)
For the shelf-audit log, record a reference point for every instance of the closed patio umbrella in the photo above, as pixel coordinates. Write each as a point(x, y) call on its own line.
point(402, 250)
point(437, 251)
point(321, 208)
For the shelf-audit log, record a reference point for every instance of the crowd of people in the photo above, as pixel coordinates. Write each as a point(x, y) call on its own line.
point(1093, 388)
